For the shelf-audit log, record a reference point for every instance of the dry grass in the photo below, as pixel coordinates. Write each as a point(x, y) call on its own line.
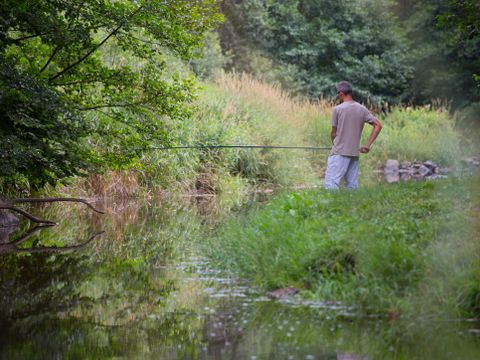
point(296, 112)
point(118, 184)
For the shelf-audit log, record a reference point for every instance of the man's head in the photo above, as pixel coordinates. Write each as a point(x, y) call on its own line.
point(344, 90)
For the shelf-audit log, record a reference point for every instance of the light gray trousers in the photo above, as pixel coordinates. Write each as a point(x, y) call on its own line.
point(341, 167)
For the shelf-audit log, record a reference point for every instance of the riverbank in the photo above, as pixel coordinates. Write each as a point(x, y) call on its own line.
point(397, 250)
point(238, 109)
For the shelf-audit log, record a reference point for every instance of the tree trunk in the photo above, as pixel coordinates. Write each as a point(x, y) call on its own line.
point(7, 219)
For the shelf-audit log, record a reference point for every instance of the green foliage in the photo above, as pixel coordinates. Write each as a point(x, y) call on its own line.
point(444, 40)
point(319, 43)
point(381, 248)
point(96, 66)
point(240, 110)
point(236, 109)
point(210, 59)
point(40, 133)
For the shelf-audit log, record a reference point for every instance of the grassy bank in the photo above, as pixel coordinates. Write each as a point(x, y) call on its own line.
point(238, 109)
point(411, 247)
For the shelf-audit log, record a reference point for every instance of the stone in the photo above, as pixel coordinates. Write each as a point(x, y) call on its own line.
point(423, 171)
point(392, 177)
point(406, 176)
point(282, 293)
point(468, 160)
point(391, 166)
point(472, 161)
point(430, 164)
point(405, 164)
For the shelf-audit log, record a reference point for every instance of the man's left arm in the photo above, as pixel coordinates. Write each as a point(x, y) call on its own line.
point(377, 127)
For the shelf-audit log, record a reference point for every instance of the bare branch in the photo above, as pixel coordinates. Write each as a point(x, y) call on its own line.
point(49, 200)
point(29, 233)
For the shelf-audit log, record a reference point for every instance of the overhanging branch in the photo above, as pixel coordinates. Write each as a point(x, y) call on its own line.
point(91, 51)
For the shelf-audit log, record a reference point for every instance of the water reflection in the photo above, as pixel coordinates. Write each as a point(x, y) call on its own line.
point(8, 246)
point(143, 291)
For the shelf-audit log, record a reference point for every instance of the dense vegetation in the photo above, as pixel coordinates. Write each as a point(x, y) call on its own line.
point(89, 86)
point(408, 249)
point(85, 84)
point(312, 44)
point(405, 50)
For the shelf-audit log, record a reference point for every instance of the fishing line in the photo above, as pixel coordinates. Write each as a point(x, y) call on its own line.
point(239, 146)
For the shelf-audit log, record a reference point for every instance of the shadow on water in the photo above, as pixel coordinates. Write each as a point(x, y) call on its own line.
point(141, 290)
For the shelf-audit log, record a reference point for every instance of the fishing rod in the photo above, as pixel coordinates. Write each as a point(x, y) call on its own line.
point(239, 146)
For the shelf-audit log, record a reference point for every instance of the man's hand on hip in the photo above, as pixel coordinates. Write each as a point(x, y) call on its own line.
point(364, 149)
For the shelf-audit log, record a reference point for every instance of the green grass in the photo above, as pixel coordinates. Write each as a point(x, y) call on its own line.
point(403, 248)
point(407, 134)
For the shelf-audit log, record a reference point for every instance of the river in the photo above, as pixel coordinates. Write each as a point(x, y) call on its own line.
point(141, 290)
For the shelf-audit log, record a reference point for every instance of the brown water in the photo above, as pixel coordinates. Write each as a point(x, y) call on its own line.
point(143, 290)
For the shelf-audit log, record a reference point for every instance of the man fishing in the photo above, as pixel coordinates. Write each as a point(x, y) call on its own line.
point(348, 120)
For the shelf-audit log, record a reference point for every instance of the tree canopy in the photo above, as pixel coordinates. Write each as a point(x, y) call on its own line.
point(84, 83)
point(444, 38)
point(409, 51)
point(321, 43)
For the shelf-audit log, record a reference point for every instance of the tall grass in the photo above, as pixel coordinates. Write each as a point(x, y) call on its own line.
point(419, 134)
point(383, 248)
point(408, 134)
point(239, 109)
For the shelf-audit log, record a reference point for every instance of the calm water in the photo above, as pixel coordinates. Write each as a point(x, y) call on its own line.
point(142, 290)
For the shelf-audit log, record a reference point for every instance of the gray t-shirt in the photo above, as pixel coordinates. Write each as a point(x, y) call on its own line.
point(349, 118)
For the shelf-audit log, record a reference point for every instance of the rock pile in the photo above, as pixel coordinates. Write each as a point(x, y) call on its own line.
point(395, 170)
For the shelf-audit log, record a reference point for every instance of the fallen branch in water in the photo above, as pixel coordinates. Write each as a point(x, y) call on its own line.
point(49, 200)
point(9, 204)
point(5, 206)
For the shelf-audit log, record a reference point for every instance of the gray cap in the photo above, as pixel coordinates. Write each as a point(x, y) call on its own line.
point(345, 87)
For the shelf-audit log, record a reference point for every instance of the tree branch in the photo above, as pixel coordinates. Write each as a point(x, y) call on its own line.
point(54, 52)
point(26, 214)
point(19, 40)
point(82, 58)
point(49, 200)
point(59, 249)
point(102, 106)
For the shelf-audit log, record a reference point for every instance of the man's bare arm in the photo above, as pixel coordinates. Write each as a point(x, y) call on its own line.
point(377, 127)
point(333, 134)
